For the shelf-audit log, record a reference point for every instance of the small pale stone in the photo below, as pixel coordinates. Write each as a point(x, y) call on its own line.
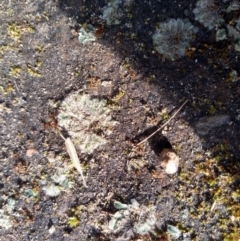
point(169, 161)
point(52, 230)
point(31, 152)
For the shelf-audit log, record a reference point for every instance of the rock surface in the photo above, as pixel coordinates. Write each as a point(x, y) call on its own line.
point(206, 123)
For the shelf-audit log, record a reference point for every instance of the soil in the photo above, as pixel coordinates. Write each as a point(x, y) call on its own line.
point(42, 61)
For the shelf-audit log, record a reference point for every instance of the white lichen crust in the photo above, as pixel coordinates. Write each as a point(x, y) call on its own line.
point(84, 117)
point(173, 38)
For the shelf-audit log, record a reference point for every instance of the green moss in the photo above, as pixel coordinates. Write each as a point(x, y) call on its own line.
point(211, 110)
point(45, 15)
point(232, 235)
point(236, 195)
point(218, 187)
point(163, 114)
point(29, 193)
point(184, 177)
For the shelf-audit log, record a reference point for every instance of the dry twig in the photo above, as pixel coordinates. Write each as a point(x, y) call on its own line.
point(164, 123)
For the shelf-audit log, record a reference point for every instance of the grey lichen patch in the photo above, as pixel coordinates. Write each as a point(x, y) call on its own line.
point(6, 213)
point(173, 38)
point(174, 232)
point(52, 190)
point(58, 182)
point(87, 120)
point(115, 10)
point(221, 34)
point(206, 123)
point(112, 12)
point(215, 15)
point(142, 219)
point(207, 13)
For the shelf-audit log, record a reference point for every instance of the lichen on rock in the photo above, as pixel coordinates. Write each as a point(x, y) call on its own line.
point(173, 38)
point(87, 120)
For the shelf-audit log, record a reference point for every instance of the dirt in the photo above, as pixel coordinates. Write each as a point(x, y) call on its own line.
point(42, 61)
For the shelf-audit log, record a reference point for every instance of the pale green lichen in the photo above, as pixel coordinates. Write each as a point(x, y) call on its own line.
point(112, 13)
point(235, 35)
point(216, 16)
point(61, 178)
point(221, 34)
point(233, 6)
point(52, 190)
point(86, 36)
point(173, 231)
point(6, 213)
point(30, 193)
point(120, 206)
point(59, 181)
point(207, 13)
point(84, 117)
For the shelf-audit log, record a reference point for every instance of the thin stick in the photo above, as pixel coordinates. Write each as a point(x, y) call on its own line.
point(164, 123)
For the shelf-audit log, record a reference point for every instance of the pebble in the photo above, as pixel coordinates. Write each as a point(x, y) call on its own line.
point(169, 160)
point(31, 152)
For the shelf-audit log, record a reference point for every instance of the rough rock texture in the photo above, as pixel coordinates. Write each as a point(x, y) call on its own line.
point(206, 123)
point(42, 62)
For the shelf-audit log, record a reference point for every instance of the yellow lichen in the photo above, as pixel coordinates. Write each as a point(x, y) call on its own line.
point(73, 222)
point(118, 96)
point(15, 71)
point(39, 49)
point(33, 72)
point(39, 63)
point(15, 31)
point(6, 90)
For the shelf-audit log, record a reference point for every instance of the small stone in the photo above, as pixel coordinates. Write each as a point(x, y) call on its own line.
point(31, 152)
point(169, 160)
point(206, 123)
point(52, 230)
